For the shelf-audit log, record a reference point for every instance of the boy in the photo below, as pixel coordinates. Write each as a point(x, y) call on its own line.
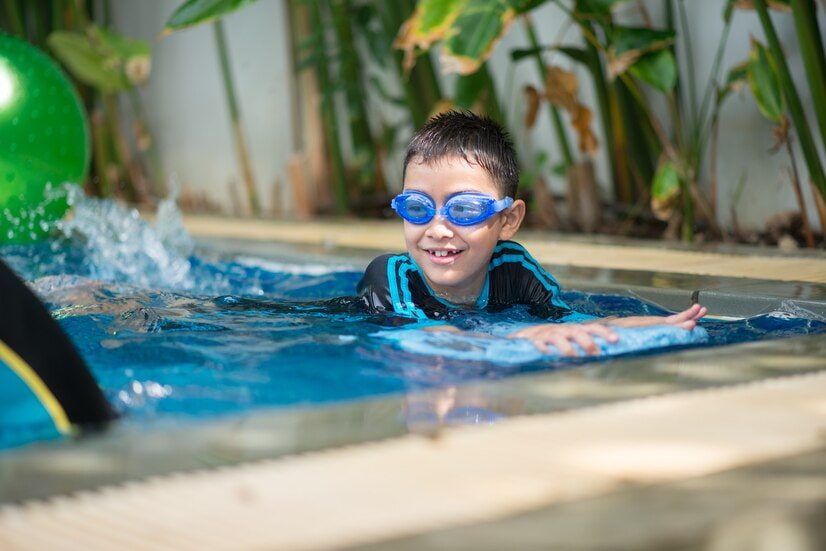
point(460, 179)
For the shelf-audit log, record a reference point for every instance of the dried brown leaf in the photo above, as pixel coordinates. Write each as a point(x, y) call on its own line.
point(581, 121)
point(618, 64)
point(532, 106)
point(774, 5)
point(561, 88)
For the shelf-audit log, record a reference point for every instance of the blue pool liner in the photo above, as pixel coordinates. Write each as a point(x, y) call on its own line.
point(496, 347)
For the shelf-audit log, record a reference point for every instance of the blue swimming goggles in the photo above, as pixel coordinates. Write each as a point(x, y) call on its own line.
point(463, 209)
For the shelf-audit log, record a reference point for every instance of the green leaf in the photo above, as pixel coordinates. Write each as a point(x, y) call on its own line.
point(666, 183)
point(519, 54)
point(102, 59)
point(764, 82)
point(524, 6)
point(367, 24)
point(595, 7)
point(435, 14)
point(737, 77)
point(560, 169)
point(473, 34)
point(379, 86)
point(639, 39)
point(580, 55)
point(468, 88)
point(658, 69)
point(195, 12)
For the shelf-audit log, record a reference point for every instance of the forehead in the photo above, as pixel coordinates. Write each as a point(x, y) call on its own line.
point(448, 175)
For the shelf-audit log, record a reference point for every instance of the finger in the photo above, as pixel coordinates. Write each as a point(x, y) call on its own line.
point(562, 345)
point(586, 342)
point(541, 346)
point(688, 313)
point(604, 332)
point(701, 313)
point(689, 325)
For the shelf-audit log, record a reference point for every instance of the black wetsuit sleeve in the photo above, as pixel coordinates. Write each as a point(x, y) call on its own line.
point(517, 278)
point(374, 289)
point(27, 328)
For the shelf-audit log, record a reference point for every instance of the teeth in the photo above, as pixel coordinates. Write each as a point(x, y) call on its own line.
point(443, 253)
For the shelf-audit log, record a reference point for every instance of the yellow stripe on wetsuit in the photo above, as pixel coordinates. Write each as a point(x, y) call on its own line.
point(37, 386)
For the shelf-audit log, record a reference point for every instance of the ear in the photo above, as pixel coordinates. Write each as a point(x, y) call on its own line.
point(511, 219)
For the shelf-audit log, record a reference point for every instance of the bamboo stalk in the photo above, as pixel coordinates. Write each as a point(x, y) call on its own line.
point(235, 116)
point(814, 58)
point(792, 99)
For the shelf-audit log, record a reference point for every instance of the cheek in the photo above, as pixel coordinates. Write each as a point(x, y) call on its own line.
point(412, 233)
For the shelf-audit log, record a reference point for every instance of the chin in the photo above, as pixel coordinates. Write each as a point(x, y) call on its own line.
point(443, 279)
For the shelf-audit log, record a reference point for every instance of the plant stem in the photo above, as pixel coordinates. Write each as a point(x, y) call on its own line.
point(814, 58)
point(792, 99)
point(364, 146)
point(710, 91)
point(14, 17)
point(687, 232)
point(235, 116)
point(601, 88)
point(58, 14)
point(136, 177)
point(556, 118)
point(392, 17)
point(155, 165)
point(328, 113)
point(101, 153)
point(689, 56)
point(712, 162)
point(798, 192)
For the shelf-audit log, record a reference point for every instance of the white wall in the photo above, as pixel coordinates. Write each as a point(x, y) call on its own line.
point(185, 98)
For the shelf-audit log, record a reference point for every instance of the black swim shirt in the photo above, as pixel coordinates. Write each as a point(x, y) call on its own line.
point(393, 283)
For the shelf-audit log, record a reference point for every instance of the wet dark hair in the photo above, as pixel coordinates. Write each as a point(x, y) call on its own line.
point(476, 139)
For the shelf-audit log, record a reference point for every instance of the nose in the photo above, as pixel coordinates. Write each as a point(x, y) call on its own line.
point(439, 228)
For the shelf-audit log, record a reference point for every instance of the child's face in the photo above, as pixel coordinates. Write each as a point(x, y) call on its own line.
point(459, 276)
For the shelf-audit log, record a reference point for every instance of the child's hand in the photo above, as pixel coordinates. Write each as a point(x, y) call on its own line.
point(687, 319)
point(562, 335)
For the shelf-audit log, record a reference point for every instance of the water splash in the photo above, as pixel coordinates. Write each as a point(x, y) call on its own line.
point(118, 245)
point(23, 222)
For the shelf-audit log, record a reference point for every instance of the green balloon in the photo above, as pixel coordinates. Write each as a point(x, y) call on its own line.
point(44, 141)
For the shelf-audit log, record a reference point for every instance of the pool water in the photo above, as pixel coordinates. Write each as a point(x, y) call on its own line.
point(169, 333)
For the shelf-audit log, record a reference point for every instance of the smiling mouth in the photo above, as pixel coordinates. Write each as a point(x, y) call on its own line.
point(443, 253)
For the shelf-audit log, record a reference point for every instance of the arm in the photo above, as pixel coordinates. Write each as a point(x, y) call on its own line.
point(563, 335)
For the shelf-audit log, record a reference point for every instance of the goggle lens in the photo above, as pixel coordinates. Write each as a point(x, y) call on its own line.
point(463, 210)
point(467, 209)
